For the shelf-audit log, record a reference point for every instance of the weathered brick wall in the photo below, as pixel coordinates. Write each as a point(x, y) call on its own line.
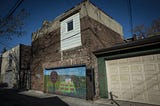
point(25, 58)
point(0, 66)
point(47, 54)
point(97, 36)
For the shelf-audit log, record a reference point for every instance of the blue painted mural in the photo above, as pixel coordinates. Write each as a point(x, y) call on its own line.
point(66, 81)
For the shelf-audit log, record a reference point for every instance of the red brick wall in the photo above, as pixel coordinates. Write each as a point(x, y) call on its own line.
point(47, 54)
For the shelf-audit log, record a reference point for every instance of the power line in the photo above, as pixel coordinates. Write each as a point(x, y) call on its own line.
point(13, 9)
point(1, 43)
point(130, 15)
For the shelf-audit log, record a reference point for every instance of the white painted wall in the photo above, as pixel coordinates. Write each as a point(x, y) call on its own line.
point(9, 77)
point(71, 39)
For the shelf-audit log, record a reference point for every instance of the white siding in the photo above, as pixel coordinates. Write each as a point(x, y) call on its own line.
point(71, 39)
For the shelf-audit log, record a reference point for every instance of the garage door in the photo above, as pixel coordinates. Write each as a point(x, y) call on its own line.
point(135, 79)
point(66, 81)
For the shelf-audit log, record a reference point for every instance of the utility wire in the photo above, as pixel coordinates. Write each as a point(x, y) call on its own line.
point(13, 9)
point(5, 45)
point(130, 16)
point(3, 41)
point(10, 13)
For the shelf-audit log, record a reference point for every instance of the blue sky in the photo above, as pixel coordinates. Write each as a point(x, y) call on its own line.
point(144, 11)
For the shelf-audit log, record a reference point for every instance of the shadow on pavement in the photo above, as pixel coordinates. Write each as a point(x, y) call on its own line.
point(10, 97)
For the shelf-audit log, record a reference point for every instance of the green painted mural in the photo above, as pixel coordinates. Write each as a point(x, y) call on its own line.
point(66, 81)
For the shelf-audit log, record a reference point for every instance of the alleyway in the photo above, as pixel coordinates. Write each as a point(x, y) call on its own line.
point(11, 97)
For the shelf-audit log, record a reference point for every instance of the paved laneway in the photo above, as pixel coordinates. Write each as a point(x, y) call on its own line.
point(11, 97)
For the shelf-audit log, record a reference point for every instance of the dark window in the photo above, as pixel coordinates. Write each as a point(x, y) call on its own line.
point(70, 25)
point(10, 60)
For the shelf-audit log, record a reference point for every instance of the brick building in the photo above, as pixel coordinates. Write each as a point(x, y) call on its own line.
point(66, 44)
point(0, 64)
point(15, 67)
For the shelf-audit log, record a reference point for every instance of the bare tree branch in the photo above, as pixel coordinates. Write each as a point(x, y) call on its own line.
point(12, 25)
point(152, 30)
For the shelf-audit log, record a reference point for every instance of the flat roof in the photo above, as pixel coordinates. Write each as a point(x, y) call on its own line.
point(130, 45)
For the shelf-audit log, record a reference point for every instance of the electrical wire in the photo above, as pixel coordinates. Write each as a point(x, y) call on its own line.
point(13, 9)
point(130, 15)
point(10, 13)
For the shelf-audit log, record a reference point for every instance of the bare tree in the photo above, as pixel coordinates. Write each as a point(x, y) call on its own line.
point(155, 27)
point(12, 25)
point(152, 30)
point(140, 30)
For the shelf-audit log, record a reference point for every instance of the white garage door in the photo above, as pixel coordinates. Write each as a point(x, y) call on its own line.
point(135, 79)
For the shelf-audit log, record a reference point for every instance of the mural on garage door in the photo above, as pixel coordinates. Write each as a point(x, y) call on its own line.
point(66, 81)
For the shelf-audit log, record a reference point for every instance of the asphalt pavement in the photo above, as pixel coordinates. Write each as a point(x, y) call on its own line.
point(13, 97)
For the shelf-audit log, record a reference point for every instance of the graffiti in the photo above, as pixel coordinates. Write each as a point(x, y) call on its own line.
point(66, 81)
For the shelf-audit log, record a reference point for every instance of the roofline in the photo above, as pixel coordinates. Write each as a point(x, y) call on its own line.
point(130, 45)
point(101, 10)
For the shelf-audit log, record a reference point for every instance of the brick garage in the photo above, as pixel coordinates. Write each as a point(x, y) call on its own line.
point(46, 51)
point(131, 71)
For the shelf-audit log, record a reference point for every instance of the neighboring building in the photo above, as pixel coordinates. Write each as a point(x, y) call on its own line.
point(131, 71)
point(0, 65)
point(62, 51)
point(15, 67)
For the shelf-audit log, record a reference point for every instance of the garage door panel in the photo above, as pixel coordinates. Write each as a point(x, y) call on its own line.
point(114, 70)
point(152, 77)
point(158, 57)
point(148, 58)
point(150, 68)
point(153, 99)
point(124, 69)
point(135, 79)
point(125, 86)
point(114, 62)
point(138, 85)
point(134, 60)
point(124, 78)
point(127, 96)
point(136, 69)
point(123, 61)
point(159, 67)
point(139, 97)
point(114, 78)
point(115, 87)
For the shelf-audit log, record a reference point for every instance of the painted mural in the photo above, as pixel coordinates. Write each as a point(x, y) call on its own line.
point(66, 81)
